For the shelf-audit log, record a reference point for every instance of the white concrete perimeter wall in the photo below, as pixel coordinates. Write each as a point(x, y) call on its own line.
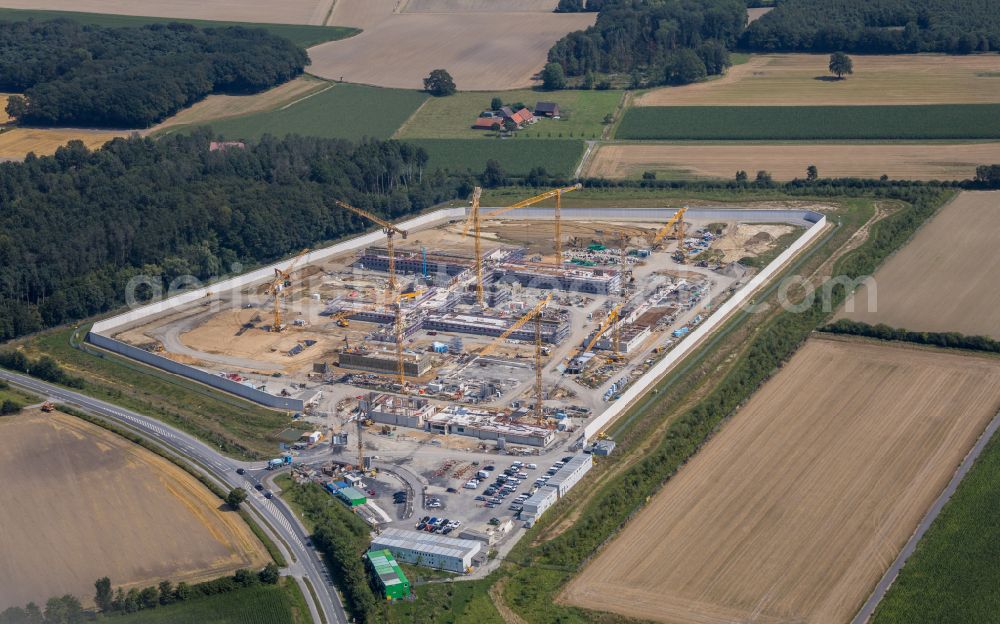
point(430, 219)
point(692, 340)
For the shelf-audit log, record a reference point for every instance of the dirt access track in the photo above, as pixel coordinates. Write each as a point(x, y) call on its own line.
point(81, 502)
point(794, 510)
point(805, 80)
point(945, 279)
point(483, 48)
point(284, 12)
point(901, 161)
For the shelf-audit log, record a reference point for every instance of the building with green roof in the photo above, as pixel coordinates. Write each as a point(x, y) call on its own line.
point(352, 497)
point(390, 576)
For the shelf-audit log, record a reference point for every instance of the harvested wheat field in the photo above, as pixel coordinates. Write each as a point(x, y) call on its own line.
point(482, 50)
point(15, 143)
point(794, 510)
point(284, 12)
point(945, 279)
point(804, 80)
point(82, 503)
point(216, 107)
point(4, 117)
point(909, 161)
point(477, 6)
point(756, 13)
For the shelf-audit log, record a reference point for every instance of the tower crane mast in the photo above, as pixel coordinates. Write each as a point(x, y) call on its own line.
point(390, 232)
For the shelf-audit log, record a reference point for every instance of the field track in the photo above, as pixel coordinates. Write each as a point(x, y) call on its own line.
point(481, 50)
point(82, 503)
point(908, 161)
point(945, 279)
point(794, 80)
point(792, 512)
point(284, 12)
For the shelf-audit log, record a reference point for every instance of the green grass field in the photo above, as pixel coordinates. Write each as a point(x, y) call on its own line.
point(261, 604)
point(757, 123)
point(343, 111)
point(516, 156)
point(464, 601)
point(953, 575)
point(303, 35)
point(452, 117)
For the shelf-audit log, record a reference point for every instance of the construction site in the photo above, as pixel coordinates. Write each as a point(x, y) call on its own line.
point(511, 330)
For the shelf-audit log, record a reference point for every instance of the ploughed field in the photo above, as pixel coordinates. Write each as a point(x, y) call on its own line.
point(805, 80)
point(945, 279)
point(900, 161)
point(481, 49)
point(795, 509)
point(82, 503)
point(284, 12)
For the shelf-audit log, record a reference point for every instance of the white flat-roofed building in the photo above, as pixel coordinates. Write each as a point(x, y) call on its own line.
point(570, 474)
point(538, 503)
point(428, 549)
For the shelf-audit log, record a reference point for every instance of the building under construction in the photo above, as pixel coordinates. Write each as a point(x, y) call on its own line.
point(487, 425)
point(421, 262)
point(384, 362)
point(388, 409)
point(592, 281)
point(554, 330)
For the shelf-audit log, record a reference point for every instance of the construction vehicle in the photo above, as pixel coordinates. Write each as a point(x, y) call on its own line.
point(609, 321)
point(282, 279)
point(474, 222)
point(48, 406)
point(674, 224)
point(343, 322)
point(390, 232)
point(536, 314)
point(279, 462)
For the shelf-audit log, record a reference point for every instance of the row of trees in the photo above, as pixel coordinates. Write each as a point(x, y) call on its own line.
point(44, 368)
point(658, 42)
point(343, 537)
point(877, 26)
point(73, 74)
point(78, 225)
point(166, 593)
point(58, 610)
point(950, 340)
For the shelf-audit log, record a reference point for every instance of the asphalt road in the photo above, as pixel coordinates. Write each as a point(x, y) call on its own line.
point(282, 521)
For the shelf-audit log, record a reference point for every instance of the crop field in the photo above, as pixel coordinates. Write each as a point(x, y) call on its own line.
point(804, 80)
point(777, 123)
point(16, 142)
point(261, 604)
point(481, 50)
point(794, 510)
point(906, 161)
point(945, 278)
point(340, 111)
point(452, 117)
point(288, 12)
point(77, 516)
point(215, 107)
point(953, 575)
point(475, 6)
point(516, 156)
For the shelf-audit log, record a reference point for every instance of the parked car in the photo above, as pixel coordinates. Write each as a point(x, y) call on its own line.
point(480, 497)
point(489, 468)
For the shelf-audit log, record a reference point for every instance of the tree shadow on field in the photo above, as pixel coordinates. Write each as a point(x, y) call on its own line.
point(827, 78)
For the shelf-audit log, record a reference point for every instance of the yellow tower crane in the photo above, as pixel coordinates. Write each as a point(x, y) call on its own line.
point(281, 277)
point(475, 219)
point(390, 231)
point(536, 314)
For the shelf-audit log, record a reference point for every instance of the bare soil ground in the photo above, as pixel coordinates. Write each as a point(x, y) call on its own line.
point(481, 50)
point(793, 511)
point(285, 12)
point(899, 161)
point(82, 503)
point(4, 117)
point(803, 80)
point(221, 106)
point(756, 13)
point(748, 239)
point(15, 143)
point(945, 278)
